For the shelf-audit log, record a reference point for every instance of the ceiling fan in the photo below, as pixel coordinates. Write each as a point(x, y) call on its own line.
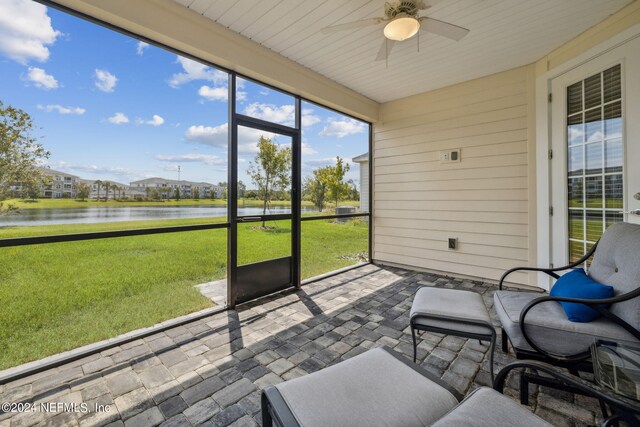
point(401, 23)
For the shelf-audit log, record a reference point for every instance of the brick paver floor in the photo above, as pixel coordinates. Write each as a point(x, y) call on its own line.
point(211, 371)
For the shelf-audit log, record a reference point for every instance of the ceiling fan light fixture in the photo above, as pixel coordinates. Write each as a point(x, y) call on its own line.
point(401, 28)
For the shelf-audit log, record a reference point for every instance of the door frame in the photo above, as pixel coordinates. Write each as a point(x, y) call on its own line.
point(544, 144)
point(560, 217)
point(295, 133)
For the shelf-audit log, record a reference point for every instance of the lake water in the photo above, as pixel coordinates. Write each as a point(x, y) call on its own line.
point(117, 213)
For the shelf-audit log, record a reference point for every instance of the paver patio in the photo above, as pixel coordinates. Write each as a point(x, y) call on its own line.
point(210, 372)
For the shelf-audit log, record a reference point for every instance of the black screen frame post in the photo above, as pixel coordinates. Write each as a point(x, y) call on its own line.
point(296, 198)
point(232, 191)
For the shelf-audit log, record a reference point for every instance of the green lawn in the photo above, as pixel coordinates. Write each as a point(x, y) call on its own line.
point(63, 295)
point(47, 230)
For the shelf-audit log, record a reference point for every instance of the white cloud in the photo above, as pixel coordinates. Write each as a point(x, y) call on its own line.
point(307, 149)
point(284, 114)
point(214, 93)
point(193, 70)
point(102, 172)
point(217, 136)
point(326, 161)
point(105, 81)
point(343, 127)
point(309, 166)
point(220, 93)
point(140, 47)
point(25, 31)
point(156, 120)
point(207, 159)
point(169, 168)
point(118, 119)
point(62, 110)
point(41, 79)
point(308, 118)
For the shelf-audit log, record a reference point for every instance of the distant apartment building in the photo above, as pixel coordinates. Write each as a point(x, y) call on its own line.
point(167, 187)
point(65, 185)
point(116, 190)
point(61, 184)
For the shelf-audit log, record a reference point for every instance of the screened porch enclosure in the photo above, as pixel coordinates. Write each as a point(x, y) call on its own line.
point(238, 194)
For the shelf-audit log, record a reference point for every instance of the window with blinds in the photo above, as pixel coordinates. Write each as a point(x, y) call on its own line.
point(595, 155)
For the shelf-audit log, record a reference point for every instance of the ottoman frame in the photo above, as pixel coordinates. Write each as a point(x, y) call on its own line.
point(489, 336)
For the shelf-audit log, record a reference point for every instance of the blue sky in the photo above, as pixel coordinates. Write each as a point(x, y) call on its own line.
point(110, 107)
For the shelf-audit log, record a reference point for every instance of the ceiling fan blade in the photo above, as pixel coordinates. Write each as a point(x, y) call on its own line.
point(352, 25)
point(385, 49)
point(442, 28)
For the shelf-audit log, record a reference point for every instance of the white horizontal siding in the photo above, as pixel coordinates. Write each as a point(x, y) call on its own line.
point(483, 201)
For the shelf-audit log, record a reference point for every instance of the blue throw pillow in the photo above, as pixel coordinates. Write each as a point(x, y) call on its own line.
point(577, 284)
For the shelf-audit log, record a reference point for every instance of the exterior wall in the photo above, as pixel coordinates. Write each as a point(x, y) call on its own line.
point(485, 200)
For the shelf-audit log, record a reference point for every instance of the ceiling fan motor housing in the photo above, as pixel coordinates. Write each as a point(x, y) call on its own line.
point(402, 8)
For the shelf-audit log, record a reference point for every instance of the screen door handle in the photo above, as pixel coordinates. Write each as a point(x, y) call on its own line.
point(250, 219)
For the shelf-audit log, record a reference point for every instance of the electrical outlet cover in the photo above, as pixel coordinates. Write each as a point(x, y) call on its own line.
point(453, 243)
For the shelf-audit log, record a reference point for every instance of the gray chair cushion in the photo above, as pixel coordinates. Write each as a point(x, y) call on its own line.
point(451, 305)
point(617, 263)
point(373, 388)
point(547, 325)
point(486, 407)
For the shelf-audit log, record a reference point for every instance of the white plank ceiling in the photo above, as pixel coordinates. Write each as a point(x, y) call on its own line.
point(504, 34)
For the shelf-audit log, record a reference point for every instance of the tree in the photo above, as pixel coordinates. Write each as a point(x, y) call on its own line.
point(315, 187)
point(33, 189)
point(354, 194)
point(107, 186)
point(337, 189)
point(82, 190)
point(153, 193)
point(196, 194)
point(270, 171)
point(176, 193)
point(223, 185)
point(20, 152)
point(242, 189)
point(99, 184)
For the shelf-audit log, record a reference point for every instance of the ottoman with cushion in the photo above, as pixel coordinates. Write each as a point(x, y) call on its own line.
point(451, 312)
point(381, 388)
